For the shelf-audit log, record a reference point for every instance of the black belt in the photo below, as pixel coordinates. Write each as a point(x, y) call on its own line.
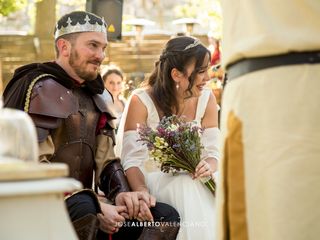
point(248, 65)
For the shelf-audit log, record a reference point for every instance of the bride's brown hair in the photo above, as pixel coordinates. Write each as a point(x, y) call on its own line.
point(178, 53)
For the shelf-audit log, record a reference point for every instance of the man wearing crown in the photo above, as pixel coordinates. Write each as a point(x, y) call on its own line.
point(71, 110)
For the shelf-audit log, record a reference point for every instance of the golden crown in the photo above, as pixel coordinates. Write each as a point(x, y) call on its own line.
point(86, 27)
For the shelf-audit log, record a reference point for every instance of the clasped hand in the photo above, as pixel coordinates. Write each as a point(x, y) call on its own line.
point(129, 205)
point(138, 204)
point(111, 217)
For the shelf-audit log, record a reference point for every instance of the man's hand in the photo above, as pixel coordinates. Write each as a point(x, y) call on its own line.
point(132, 201)
point(110, 219)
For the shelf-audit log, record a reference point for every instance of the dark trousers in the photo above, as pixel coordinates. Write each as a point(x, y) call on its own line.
point(81, 205)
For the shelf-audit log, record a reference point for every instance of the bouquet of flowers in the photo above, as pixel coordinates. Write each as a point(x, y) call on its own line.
point(175, 144)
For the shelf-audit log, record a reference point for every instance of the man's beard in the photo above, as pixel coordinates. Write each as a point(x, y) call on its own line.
point(79, 69)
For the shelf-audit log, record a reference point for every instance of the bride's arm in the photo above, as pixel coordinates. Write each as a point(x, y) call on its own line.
point(210, 140)
point(137, 114)
point(136, 179)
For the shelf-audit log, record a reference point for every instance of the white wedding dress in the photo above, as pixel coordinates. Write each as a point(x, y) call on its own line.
point(191, 198)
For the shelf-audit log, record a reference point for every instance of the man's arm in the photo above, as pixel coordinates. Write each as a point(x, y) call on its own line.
point(113, 180)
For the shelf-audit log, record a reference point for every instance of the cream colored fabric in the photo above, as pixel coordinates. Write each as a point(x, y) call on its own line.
point(193, 201)
point(278, 109)
point(233, 224)
point(268, 27)
point(46, 150)
point(104, 153)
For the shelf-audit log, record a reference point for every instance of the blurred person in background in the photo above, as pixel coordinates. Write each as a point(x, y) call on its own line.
point(114, 82)
point(216, 73)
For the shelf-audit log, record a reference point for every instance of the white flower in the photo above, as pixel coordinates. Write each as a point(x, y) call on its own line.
point(173, 127)
point(160, 143)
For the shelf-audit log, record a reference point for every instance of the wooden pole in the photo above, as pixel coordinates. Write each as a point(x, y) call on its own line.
point(45, 18)
point(44, 28)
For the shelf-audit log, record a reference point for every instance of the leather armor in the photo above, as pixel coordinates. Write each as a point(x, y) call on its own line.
point(71, 118)
point(74, 139)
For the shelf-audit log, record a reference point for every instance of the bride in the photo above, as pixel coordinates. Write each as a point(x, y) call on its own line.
point(176, 86)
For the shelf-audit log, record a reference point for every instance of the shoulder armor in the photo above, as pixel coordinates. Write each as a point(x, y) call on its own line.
point(104, 103)
point(49, 98)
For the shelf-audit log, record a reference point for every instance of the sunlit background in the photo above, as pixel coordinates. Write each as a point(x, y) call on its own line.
point(26, 33)
point(19, 16)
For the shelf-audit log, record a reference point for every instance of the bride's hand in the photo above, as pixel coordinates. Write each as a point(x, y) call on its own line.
point(131, 201)
point(203, 169)
point(145, 213)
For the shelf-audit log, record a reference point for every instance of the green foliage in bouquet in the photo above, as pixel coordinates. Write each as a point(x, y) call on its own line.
point(176, 145)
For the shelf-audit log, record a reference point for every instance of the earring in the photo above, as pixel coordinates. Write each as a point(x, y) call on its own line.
point(177, 86)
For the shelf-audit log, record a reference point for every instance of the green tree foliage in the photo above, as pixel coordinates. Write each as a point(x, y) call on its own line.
point(9, 6)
